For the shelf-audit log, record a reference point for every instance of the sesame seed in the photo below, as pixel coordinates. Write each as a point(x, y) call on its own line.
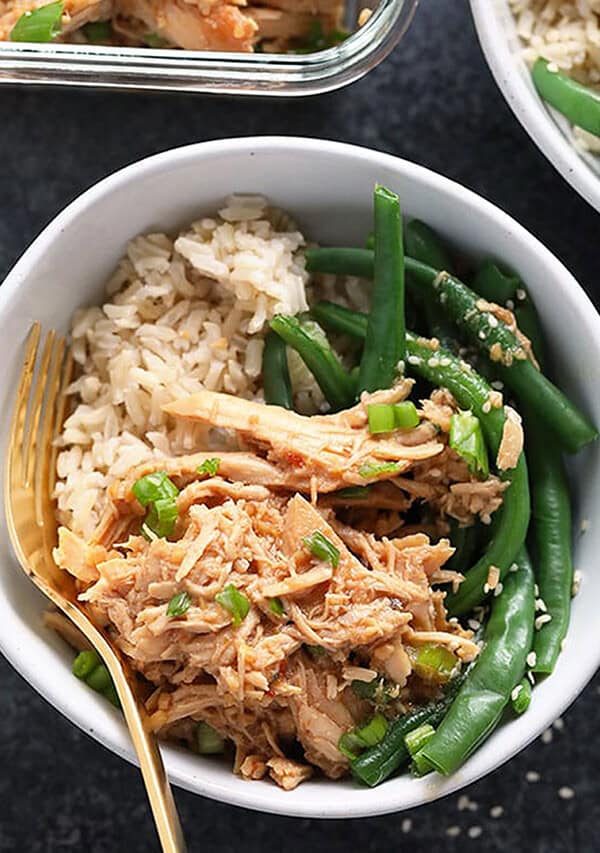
point(536, 590)
point(547, 736)
point(474, 831)
point(498, 589)
point(532, 776)
point(445, 362)
point(433, 362)
point(509, 304)
point(540, 604)
point(542, 620)
point(516, 691)
point(406, 825)
point(465, 803)
point(531, 659)
point(487, 406)
point(414, 359)
point(531, 678)
point(474, 624)
point(482, 334)
point(496, 811)
point(520, 294)
point(566, 793)
point(486, 518)
point(498, 384)
point(514, 567)
point(453, 831)
point(486, 588)
point(576, 586)
point(585, 525)
point(558, 724)
point(492, 321)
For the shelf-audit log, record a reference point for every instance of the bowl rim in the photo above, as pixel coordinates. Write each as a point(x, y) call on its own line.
point(540, 122)
point(266, 797)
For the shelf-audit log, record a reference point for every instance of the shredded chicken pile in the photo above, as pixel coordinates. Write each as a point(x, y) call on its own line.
point(260, 683)
point(232, 25)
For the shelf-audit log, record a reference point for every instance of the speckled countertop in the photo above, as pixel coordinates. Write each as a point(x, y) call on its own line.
point(433, 102)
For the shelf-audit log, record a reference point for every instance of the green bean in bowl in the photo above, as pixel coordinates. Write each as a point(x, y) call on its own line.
point(353, 559)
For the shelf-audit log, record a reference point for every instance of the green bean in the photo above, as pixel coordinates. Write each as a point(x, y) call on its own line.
point(578, 103)
point(423, 244)
point(528, 323)
point(384, 345)
point(471, 391)
point(495, 283)
point(493, 337)
point(88, 666)
point(336, 261)
point(379, 762)
point(488, 686)
point(306, 337)
point(338, 318)
point(551, 520)
point(275, 373)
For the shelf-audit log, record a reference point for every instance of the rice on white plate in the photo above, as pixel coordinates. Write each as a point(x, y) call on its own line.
point(183, 314)
point(567, 34)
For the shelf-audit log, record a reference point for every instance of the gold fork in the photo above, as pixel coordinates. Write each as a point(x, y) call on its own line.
point(29, 484)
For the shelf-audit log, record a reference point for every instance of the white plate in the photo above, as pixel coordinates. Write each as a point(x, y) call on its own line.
point(328, 188)
point(550, 131)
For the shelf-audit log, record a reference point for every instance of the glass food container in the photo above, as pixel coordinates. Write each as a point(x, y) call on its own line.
point(214, 72)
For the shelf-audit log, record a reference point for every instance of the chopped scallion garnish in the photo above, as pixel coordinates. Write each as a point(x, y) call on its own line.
point(276, 607)
point(157, 492)
point(179, 604)
point(353, 493)
point(466, 438)
point(321, 548)
point(374, 469)
point(435, 663)
point(209, 466)
point(406, 415)
point(235, 602)
point(208, 740)
point(39, 25)
point(381, 418)
point(417, 739)
point(353, 742)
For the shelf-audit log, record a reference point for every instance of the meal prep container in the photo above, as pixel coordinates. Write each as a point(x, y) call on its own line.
point(549, 130)
point(327, 187)
point(213, 72)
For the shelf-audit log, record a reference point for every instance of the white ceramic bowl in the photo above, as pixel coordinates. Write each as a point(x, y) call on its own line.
point(328, 188)
point(550, 131)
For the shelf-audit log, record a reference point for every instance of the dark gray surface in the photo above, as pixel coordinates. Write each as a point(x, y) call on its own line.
point(433, 102)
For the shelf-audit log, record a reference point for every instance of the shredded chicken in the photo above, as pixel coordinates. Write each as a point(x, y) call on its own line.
point(231, 25)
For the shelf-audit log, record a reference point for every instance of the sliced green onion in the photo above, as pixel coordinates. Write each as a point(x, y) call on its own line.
point(466, 437)
point(209, 466)
point(521, 697)
point(97, 31)
point(364, 689)
point(353, 742)
point(235, 602)
point(179, 604)
point(315, 652)
point(421, 765)
point(372, 732)
point(153, 487)
point(353, 493)
point(417, 739)
point(208, 740)
point(405, 415)
point(321, 548)
point(157, 492)
point(38, 25)
point(85, 663)
point(435, 663)
point(374, 469)
point(162, 517)
point(276, 607)
point(350, 746)
point(381, 418)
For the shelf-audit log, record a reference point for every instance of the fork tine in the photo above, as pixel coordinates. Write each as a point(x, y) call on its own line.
point(43, 455)
point(15, 456)
point(59, 419)
point(30, 438)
